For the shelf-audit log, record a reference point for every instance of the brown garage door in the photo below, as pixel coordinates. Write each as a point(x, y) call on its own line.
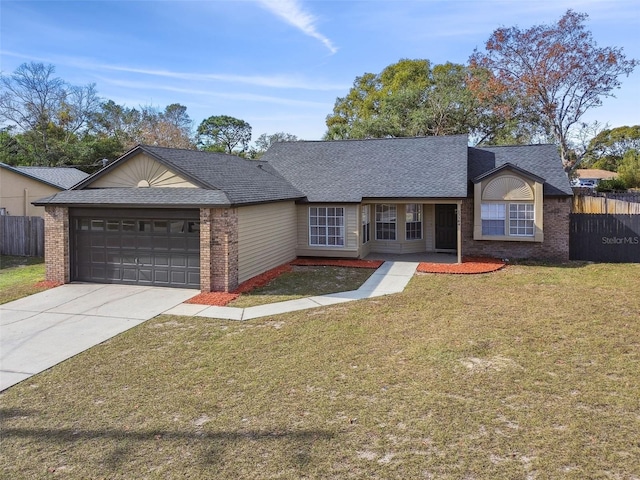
point(160, 247)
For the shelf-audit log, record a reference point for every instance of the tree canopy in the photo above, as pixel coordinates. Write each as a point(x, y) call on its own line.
point(223, 133)
point(45, 111)
point(52, 123)
point(264, 141)
point(414, 98)
point(607, 148)
point(629, 170)
point(557, 72)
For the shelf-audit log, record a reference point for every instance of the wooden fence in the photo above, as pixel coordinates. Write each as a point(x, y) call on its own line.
point(21, 236)
point(604, 238)
point(613, 204)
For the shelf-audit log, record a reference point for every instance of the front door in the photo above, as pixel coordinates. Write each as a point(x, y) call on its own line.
point(446, 227)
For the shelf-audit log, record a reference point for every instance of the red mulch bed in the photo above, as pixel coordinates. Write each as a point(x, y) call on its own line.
point(221, 299)
point(468, 265)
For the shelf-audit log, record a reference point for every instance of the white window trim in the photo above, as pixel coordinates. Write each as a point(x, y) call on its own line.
point(418, 213)
point(366, 224)
point(538, 208)
point(394, 208)
point(326, 225)
point(505, 217)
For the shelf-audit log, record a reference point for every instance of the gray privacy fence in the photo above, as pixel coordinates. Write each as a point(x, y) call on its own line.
point(22, 236)
point(604, 238)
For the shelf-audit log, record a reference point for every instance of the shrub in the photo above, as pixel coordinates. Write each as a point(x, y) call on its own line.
point(629, 170)
point(610, 185)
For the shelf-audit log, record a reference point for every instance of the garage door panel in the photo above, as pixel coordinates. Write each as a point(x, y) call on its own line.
point(98, 256)
point(178, 277)
point(113, 241)
point(193, 261)
point(97, 241)
point(178, 261)
point(128, 241)
point(129, 273)
point(98, 272)
point(145, 275)
point(113, 273)
point(144, 243)
point(193, 244)
point(177, 243)
point(161, 276)
point(160, 243)
point(129, 250)
point(193, 278)
point(161, 260)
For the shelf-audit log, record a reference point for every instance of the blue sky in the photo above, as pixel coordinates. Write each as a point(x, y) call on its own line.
point(279, 64)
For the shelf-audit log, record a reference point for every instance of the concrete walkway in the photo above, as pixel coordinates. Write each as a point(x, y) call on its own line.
point(391, 277)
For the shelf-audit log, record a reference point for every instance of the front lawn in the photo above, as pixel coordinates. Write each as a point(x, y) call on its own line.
point(529, 372)
point(305, 281)
point(19, 276)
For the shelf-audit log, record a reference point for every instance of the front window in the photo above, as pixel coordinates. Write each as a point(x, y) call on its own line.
point(386, 222)
point(326, 226)
point(520, 222)
point(413, 221)
point(366, 224)
point(493, 218)
point(521, 219)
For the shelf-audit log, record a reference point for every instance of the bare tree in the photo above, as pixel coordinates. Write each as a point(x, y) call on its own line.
point(557, 71)
point(47, 111)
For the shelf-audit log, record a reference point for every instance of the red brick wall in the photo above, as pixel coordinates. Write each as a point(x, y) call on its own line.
point(218, 249)
point(56, 244)
point(555, 246)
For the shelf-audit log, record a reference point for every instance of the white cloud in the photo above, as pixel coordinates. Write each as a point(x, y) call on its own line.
point(242, 96)
point(291, 11)
point(274, 81)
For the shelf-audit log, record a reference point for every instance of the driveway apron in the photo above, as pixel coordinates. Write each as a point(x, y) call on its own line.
point(41, 330)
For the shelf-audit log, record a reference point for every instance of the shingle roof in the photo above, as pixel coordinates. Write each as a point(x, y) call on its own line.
point(338, 171)
point(236, 180)
point(350, 170)
point(159, 197)
point(541, 160)
point(60, 177)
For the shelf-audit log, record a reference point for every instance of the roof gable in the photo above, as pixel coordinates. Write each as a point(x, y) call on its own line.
point(541, 161)
point(141, 170)
point(240, 181)
point(508, 167)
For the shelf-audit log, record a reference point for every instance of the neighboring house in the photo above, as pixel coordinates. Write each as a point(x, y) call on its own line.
point(589, 177)
point(20, 186)
point(185, 218)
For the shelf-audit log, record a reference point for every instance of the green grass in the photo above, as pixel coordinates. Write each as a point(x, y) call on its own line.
point(18, 276)
point(305, 281)
point(529, 372)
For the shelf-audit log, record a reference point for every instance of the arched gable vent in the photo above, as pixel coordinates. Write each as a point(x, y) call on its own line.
point(507, 187)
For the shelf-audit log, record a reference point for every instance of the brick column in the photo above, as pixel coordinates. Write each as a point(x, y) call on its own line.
point(218, 249)
point(56, 244)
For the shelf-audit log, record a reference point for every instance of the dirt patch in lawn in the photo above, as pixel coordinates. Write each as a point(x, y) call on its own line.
point(469, 265)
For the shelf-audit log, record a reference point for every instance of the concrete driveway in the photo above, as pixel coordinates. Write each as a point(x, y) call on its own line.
point(41, 330)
